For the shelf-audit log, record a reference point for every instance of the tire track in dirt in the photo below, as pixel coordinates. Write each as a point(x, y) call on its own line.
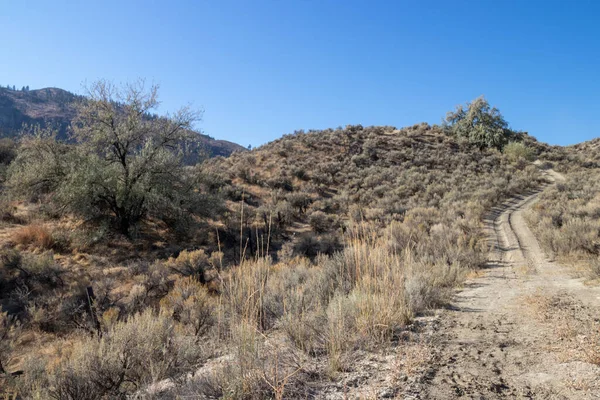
point(492, 343)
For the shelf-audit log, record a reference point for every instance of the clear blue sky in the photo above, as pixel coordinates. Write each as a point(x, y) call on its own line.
point(261, 69)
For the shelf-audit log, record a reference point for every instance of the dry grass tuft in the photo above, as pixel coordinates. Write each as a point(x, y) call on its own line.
point(34, 236)
point(411, 358)
point(574, 327)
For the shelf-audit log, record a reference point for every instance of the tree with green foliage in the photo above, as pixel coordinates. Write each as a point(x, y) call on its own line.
point(481, 124)
point(125, 163)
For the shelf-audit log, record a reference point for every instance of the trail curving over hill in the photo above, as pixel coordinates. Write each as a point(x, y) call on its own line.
point(524, 329)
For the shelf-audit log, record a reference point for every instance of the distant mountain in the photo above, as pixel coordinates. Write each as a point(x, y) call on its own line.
point(56, 107)
point(44, 107)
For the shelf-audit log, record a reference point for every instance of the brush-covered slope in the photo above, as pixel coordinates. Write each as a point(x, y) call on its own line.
point(588, 153)
point(53, 107)
point(322, 179)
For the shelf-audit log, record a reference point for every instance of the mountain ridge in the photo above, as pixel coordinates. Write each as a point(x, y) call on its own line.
point(55, 107)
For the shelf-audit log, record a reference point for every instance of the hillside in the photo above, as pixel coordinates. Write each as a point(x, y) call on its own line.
point(54, 107)
point(315, 183)
point(44, 107)
point(588, 153)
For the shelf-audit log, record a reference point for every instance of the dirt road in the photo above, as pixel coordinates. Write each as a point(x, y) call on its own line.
point(524, 329)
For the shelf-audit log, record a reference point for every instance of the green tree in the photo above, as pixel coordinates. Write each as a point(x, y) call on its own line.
point(125, 163)
point(479, 123)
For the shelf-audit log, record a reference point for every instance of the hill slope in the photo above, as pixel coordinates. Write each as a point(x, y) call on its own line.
point(56, 108)
point(319, 181)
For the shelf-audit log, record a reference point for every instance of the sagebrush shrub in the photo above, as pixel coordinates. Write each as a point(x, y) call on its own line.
point(144, 349)
point(191, 263)
point(518, 151)
point(319, 222)
point(190, 304)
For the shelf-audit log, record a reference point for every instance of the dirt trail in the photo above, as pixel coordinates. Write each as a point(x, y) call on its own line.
point(524, 329)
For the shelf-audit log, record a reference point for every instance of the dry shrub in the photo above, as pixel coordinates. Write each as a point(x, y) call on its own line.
point(256, 369)
point(377, 276)
point(151, 284)
point(361, 297)
point(319, 222)
point(190, 304)
point(566, 220)
point(35, 236)
point(109, 318)
point(60, 312)
point(242, 378)
point(194, 263)
point(244, 292)
point(130, 355)
point(10, 329)
point(7, 212)
point(306, 330)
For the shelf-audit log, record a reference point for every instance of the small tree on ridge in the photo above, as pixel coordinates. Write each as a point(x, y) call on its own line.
point(479, 123)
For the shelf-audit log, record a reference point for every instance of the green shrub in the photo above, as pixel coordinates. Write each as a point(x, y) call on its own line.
point(518, 151)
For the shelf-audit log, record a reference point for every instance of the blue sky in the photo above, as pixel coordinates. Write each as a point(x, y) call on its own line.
point(261, 69)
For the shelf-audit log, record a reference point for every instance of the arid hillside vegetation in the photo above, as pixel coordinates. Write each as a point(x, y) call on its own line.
point(565, 219)
point(274, 273)
point(310, 186)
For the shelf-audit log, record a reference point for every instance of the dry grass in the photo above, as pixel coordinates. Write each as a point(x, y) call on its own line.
point(411, 358)
point(575, 327)
point(359, 299)
point(33, 236)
